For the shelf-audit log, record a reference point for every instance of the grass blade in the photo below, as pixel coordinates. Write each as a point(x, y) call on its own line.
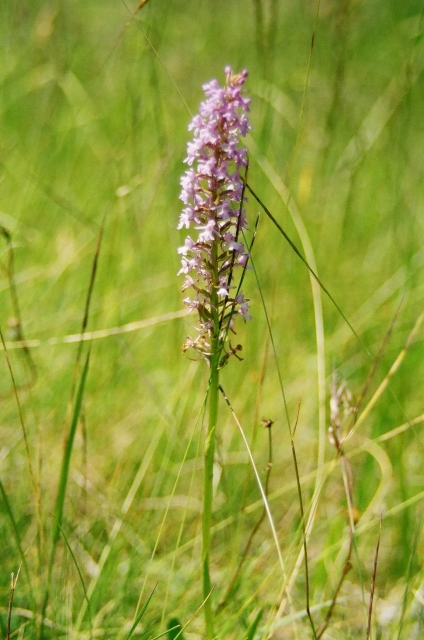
point(261, 489)
point(252, 629)
point(140, 615)
point(17, 540)
point(80, 576)
point(63, 481)
point(310, 269)
point(174, 627)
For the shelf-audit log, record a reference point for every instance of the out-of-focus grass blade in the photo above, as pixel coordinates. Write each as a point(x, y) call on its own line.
point(252, 629)
point(164, 633)
point(174, 628)
point(80, 575)
point(140, 615)
point(310, 269)
point(409, 578)
point(17, 539)
point(63, 481)
point(175, 631)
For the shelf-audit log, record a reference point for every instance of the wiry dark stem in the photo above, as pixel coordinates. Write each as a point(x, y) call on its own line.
point(347, 481)
point(374, 575)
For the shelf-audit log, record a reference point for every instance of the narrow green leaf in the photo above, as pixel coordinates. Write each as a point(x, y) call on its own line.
point(63, 481)
point(17, 539)
point(305, 262)
point(79, 572)
point(253, 627)
point(174, 628)
point(140, 615)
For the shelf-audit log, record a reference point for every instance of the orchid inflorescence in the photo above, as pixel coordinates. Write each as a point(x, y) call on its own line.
point(213, 195)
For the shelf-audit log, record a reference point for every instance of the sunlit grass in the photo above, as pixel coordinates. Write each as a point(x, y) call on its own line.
point(93, 127)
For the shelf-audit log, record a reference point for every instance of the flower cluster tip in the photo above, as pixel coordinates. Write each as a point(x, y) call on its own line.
point(213, 194)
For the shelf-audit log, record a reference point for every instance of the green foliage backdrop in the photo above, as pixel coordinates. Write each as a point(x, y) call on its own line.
point(95, 98)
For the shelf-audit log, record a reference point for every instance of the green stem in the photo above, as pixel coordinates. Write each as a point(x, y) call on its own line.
point(208, 493)
point(209, 457)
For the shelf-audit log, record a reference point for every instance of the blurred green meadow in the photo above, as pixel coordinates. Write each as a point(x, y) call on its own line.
point(95, 99)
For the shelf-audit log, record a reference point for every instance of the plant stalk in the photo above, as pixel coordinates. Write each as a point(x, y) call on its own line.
point(209, 457)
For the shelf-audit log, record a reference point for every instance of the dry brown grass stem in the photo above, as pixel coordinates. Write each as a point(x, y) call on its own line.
point(347, 482)
point(302, 517)
point(347, 476)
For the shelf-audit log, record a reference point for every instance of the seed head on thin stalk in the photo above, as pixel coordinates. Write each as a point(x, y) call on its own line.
point(213, 195)
point(341, 407)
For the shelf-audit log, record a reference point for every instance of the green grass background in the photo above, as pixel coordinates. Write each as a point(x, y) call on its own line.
point(94, 107)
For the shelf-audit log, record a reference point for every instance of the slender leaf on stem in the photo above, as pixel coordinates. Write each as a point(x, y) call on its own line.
point(258, 480)
point(268, 425)
point(297, 252)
